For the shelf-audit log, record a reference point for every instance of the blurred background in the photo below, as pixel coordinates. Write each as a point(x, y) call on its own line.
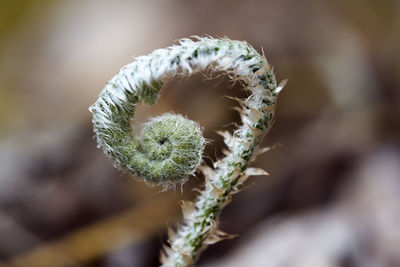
point(332, 197)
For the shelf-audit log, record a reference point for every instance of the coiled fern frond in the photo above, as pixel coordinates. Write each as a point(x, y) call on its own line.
point(171, 146)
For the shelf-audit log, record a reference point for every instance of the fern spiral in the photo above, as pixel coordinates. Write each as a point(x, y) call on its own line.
point(171, 146)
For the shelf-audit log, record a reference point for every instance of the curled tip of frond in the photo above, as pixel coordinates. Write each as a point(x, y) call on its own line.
point(169, 149)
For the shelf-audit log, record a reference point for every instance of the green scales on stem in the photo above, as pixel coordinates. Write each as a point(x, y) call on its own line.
point(170, 146)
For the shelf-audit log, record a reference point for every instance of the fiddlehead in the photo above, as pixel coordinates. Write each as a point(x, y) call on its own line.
point(141, 81)
point(170, 146)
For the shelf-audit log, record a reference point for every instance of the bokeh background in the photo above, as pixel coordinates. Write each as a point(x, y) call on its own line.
point(332, 197)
